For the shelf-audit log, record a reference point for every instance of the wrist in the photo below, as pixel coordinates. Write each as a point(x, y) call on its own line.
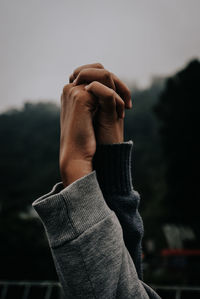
point(110, 134)
point(75, 170)
point(112, 163)
point(110, 139)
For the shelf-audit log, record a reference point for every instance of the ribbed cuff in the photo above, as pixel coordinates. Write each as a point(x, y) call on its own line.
point(112, 163)
point(72, 210)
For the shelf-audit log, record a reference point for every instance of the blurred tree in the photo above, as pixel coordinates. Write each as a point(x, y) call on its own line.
point(29, 154)
point(29, 168)
point(141, 126)
point(179, 115)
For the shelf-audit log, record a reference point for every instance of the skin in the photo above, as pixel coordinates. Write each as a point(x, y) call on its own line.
point(92, 111)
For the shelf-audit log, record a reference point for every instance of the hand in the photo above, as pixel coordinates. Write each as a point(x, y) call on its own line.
point(116, 96)
point(77, 136)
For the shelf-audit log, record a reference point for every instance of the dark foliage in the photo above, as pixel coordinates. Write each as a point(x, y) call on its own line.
point(29, 168)
point(179, 115)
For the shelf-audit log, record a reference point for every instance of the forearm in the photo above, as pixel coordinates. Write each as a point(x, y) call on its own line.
point(74, 170)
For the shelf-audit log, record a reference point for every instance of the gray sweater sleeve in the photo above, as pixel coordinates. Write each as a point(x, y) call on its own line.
point(113, 163)
point(87, 243)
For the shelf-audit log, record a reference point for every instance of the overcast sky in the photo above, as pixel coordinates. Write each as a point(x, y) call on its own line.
point(42, 41)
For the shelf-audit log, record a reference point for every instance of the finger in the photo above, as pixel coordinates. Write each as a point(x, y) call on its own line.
point(66, 90)
point(119, 86)
point(123, 90)
point(71, 78)
point(109, 100)
point(96, 65)
point(91, 74)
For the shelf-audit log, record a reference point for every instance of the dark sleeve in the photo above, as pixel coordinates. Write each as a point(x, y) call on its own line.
point(112, 163)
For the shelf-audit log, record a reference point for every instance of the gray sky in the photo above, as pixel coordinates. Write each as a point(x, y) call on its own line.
point(42, 41)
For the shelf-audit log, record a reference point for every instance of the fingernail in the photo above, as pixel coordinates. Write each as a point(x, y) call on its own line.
point(75, 81)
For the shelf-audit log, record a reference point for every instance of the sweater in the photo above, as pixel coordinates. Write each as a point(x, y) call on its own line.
point(95, 231)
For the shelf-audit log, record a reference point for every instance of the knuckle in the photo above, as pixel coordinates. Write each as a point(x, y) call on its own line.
point(107, 75)
point(123, 104)
point(99, 65)
point(70, 92)
point(77, 96)
point(81, 74)
point(66, 89)
point(111, 98)
point(94, 84)
point(78, 71)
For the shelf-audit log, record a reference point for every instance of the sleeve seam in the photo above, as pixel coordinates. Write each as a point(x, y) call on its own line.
point(63, 241)
point(68, 215)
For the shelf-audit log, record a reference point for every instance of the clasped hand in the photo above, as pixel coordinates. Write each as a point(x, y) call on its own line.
point(92, 112)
